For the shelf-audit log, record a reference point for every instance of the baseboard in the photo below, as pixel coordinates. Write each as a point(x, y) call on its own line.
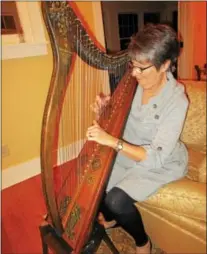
point(20, 172)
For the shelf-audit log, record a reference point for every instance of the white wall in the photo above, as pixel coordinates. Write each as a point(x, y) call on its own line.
point(110, 16)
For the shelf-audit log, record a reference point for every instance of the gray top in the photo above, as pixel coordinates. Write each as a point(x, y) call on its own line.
point(157, 127)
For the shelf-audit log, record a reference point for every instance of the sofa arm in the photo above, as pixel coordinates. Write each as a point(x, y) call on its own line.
point(202, 172)
point(196, 164)
point(183, 197)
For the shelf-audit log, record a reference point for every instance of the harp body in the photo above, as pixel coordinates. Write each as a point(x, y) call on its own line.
point(75, 176)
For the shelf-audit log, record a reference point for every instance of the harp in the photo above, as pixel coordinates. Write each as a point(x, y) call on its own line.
point(75, 171)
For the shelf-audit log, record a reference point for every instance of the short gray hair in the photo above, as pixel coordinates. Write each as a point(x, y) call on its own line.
point(156, 44)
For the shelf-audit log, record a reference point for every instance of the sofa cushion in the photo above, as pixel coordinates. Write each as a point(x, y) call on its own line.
point(183, 197)
point(196, 164)
point(194, 131)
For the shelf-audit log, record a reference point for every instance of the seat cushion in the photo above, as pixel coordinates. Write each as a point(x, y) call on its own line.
point(183, 197)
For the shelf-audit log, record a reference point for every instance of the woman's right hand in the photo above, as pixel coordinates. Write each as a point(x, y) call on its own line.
point(100, 103)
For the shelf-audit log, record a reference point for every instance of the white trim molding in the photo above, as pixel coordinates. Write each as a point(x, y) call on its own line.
point(20, 173)
point(33, 41)
point(24, 50)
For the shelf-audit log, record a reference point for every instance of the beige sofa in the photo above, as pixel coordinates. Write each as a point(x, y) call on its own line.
point(175, 217)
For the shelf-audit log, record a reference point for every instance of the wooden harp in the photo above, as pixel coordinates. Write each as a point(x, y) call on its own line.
point(75, 171)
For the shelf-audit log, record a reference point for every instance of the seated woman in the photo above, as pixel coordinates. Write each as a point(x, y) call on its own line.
point(150, 154)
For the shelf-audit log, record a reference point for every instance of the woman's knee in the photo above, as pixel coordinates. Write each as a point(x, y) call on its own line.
point(118, 201)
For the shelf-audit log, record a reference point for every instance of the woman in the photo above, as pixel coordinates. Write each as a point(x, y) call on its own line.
point(150, 154)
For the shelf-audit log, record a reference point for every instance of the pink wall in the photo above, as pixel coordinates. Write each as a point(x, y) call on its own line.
point(192, 26)
point(199, 14)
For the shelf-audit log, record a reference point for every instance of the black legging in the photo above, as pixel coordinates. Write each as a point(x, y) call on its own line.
point(119, 206)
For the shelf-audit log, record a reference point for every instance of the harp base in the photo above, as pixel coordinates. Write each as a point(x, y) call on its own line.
point(98, 234)
point(51, 239)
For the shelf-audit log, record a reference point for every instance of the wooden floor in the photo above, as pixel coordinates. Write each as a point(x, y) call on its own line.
point(22, 211)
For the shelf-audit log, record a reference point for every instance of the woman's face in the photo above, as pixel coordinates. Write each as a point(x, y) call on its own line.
point(146, 74)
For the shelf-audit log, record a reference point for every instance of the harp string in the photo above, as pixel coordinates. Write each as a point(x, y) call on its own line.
point(79, 99)
point(78, 80)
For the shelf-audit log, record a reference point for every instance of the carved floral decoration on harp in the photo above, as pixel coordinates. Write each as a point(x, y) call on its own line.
point(60, 16)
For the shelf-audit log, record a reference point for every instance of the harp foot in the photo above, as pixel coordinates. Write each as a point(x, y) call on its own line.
point(51, 240)
point(44, 245)
point(98, 234)
point(110, 244)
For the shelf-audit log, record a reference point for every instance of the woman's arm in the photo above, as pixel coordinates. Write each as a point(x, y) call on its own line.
point(96, 133)
point(161, 146)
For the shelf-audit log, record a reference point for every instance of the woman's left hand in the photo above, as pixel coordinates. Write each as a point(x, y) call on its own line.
point(97, 134)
